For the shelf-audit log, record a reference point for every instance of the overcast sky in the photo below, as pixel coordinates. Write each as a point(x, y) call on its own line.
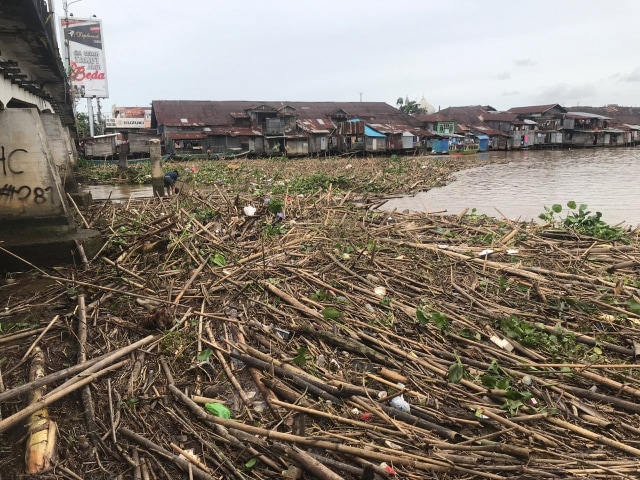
point(466, 52)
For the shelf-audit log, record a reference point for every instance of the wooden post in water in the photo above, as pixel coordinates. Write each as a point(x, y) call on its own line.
point(157, 176)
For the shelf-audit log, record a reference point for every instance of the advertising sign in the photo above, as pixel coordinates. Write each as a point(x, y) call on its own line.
point(130, 117)
point(84, 53)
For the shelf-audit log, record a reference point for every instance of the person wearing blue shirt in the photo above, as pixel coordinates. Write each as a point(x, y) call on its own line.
point(170, 180)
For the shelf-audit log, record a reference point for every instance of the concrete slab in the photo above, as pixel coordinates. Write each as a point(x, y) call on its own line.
point(48, 248)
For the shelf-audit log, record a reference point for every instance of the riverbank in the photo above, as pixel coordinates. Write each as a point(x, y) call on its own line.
point(510, 347)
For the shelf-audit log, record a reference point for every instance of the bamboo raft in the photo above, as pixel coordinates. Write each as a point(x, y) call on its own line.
point(343, 342)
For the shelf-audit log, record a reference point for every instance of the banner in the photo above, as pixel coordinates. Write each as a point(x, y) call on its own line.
point(84, 53)
point(130, 117)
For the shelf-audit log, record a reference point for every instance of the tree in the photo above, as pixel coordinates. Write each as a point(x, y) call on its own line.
point(411, 107)
point(82, 124)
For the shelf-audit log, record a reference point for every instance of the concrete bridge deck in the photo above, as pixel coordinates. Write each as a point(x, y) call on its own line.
point(37, 148)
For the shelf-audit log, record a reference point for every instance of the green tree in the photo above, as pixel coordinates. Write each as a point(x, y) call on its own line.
point(411, 107)
point(82, 124)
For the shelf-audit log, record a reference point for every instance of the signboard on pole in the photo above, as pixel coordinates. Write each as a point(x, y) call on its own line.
point(130, 117)
point(85, 56)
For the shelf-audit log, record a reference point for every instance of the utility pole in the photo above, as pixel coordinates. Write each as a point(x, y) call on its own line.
point(100, 129)
point(360, 97)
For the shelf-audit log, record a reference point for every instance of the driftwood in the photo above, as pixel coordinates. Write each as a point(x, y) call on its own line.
point(342, 341)
point(42, 430)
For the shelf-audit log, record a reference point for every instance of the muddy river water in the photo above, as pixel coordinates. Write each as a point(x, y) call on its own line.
point(607, 180)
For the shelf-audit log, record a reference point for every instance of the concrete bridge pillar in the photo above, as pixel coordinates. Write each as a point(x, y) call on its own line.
point(37, 223)
point(60, 146)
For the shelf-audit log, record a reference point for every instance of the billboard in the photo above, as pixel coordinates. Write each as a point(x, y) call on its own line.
point(84, 55)
point(130, 117)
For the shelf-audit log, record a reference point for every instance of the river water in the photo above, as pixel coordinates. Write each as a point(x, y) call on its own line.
point(604, 179)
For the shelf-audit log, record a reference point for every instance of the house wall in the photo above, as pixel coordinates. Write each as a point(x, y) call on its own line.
point(375, 144)
point(297, 147)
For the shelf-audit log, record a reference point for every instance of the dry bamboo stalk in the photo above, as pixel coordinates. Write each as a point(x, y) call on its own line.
point(42, 436)
point(105, 360)
point(337, 418)
point(583, 432)
point(75, 206)
point(394, 456)
point(190, 457)
point(48, 379)
point(581, 366)
point(310, 464)
point(291, 300)
point(180, 462)
point(225, 366)
point(54, 396)
point(42, 334)
point(520, 428)
point(191, 280)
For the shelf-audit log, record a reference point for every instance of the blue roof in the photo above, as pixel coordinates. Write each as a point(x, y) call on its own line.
point(370, 132)
point(482, 137)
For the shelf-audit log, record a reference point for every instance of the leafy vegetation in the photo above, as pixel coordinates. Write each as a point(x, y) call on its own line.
point(582, 221)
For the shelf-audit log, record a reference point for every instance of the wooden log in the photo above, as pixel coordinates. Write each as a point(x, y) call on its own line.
point(42, 434)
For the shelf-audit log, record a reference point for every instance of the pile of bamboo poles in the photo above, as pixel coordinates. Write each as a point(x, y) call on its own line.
point(344, 342)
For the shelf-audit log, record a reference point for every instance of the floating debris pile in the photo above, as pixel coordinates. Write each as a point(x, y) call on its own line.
point(315, 337)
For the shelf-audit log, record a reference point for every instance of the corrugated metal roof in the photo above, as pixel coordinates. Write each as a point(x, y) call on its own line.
point(501, 117)
point(536, 109)
point(585, 115)
point(233, 131)
point(492, 132)
point(218, 113)
point(186, 135)
point(620, 114)
point(316, 125)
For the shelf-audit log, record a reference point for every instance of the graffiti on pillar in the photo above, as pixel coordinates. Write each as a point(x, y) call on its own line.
point(24, 193)
point(7, 161)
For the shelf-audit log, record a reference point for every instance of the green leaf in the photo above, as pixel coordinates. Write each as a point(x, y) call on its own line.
point(633, 306)
point(571, 204)
point(440, 320)
point(301, 358)
point(204, 355)
point(219, 260)
point(557, 208)
point(331, 313)
point(456, 372)
point(218, 410)
point(251, 463)
point(421, 316)
point(597, 350)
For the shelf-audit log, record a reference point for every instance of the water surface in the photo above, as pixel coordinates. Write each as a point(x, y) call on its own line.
point(605, 179)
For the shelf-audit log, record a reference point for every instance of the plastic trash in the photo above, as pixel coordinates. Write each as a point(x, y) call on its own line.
point(401, 404)
point(249, 210)
point(218, 410)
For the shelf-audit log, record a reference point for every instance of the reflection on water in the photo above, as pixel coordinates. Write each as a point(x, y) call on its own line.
point(605, 179)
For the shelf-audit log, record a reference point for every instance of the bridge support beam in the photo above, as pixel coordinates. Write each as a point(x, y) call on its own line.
point(36, 222)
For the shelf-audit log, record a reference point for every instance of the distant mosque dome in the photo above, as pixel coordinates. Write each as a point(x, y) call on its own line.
point(426, 106)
